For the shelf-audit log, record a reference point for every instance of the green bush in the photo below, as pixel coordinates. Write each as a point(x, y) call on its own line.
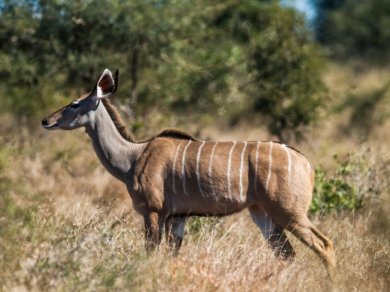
point(335, 192)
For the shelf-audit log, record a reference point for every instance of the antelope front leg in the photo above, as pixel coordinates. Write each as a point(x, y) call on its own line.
point(174, 231)
point(152, 230)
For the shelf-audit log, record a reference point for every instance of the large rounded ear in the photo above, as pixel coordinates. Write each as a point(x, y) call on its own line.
point(107, 84)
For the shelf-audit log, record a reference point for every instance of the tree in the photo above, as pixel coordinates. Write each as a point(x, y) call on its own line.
point(283, 65)
point(217, 58)
point(354, 28)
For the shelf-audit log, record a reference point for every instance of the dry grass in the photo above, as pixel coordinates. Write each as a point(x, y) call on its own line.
point(65, 224)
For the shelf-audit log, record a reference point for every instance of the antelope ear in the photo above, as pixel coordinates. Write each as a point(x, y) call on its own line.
point(107, 84)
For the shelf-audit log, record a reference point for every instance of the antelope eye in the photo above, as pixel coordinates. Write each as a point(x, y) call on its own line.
point(74, 105)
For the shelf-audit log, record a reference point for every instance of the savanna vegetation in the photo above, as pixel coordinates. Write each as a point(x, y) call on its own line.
point(220, 70)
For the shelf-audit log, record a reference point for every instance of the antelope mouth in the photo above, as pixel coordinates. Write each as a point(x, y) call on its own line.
point(48, 126)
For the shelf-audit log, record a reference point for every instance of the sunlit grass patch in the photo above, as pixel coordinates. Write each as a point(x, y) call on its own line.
point(73, 228)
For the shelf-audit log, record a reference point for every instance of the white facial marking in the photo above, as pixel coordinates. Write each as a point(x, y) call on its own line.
point(183, 170)
point(174, 168)
point(211, 167)
point(99, 92)
point(229, 167)
point(242, 170)
point(197, 168)
point(289, 161)
point(256, 162)
point(269, 166)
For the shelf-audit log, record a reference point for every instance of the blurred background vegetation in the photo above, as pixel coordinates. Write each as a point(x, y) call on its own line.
point(198, 58)
point(258, 61)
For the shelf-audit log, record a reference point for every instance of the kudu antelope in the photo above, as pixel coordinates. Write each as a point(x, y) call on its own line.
point(172, 176)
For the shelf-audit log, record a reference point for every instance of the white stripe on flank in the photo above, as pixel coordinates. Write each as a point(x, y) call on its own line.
point(256, 162)
point(269, 167)
point(242, 169)
point(183, 170)
point(197, 168)
point(289, 161)
point(210, 167)
point(174, 168)
point(229, 167)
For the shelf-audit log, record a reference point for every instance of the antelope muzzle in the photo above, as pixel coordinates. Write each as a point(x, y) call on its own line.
point(51, 122)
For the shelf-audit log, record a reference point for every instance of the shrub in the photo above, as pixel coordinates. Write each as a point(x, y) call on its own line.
point(333, 193)
point(358, 179)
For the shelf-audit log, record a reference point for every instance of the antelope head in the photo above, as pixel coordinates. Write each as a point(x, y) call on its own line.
point(81, 111)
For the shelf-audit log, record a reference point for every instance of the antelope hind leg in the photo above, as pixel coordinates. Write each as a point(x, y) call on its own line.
point(174, 232)
point(273, 233)
point(319, 243)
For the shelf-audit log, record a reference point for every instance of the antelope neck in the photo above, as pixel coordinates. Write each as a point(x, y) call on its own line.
point(116, 153)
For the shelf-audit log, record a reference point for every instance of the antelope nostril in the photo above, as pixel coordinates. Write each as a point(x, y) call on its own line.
point(44, 122)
